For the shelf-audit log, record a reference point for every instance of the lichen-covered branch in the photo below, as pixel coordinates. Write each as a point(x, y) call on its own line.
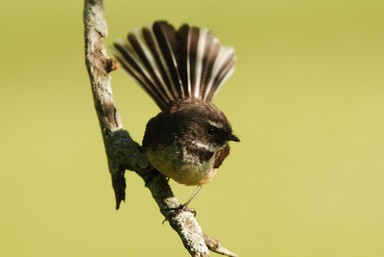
point(122, 152)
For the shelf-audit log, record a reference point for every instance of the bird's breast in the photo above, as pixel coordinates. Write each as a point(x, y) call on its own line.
point(185, 164)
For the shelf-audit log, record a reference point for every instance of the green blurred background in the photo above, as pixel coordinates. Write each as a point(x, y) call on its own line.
point(307, 100)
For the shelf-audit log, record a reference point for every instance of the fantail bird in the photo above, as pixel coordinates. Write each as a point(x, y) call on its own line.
point(181, 70)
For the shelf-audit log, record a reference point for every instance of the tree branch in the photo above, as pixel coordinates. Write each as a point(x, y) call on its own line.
point(124, 153)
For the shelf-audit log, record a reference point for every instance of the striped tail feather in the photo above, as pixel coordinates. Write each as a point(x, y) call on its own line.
point(174, 64)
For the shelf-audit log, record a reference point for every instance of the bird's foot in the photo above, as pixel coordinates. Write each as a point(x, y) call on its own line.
point(174, 212)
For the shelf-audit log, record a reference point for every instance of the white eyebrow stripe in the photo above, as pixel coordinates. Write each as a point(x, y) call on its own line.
point(215, 124)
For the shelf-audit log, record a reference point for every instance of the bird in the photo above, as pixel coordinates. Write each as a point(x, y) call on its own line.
point(181, 70)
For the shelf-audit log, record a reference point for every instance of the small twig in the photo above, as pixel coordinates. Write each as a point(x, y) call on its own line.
point(215, 246)
point(124, 153)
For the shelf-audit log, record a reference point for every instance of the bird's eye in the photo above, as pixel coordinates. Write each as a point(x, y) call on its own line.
point(212, 130)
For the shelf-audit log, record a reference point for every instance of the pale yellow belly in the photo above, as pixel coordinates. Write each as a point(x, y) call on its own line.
point(180, 169)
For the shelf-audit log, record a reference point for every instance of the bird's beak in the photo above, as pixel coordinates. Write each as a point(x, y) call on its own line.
point(233, 138)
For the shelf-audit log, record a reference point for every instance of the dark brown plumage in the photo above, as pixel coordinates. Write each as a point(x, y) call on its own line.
point(174, 64)
point(181, 70)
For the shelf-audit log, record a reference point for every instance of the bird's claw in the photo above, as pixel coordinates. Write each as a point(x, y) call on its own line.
point(174, 212)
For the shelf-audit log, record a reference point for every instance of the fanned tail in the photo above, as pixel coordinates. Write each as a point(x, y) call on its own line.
point(174, 64)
